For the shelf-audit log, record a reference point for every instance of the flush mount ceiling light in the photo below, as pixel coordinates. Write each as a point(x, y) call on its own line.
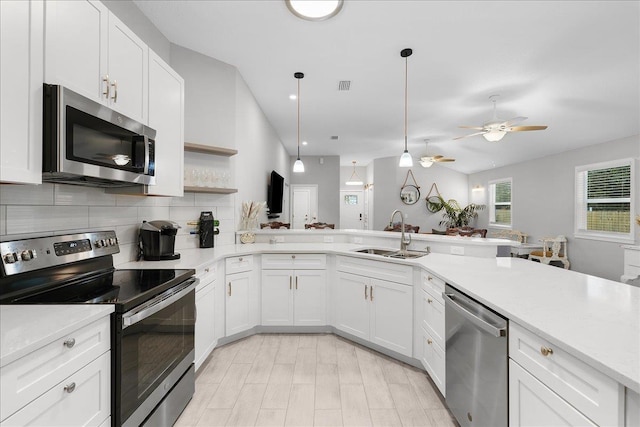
point(314, 10)
point(298, 166)
point(355, 179)
point(405, 160)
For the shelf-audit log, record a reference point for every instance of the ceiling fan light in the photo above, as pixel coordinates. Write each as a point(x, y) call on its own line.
point(298, 166)
point(314, 10)
point(425, 163)
point(494, 135)
point(406, 161)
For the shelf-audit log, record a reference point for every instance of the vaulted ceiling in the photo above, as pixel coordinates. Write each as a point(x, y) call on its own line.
point(571, 65)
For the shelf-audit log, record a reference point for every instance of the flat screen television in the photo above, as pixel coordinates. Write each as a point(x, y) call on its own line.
point(275, 191)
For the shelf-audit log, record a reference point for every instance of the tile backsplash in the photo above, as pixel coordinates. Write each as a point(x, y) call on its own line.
point(42, 210)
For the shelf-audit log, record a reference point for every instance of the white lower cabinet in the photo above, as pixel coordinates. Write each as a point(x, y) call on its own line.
point(433, 360)
point(238, 303)
point(375, 310)
point(205, 332)
point(82, 399)
point(293, 297)
point(533, 404)
point(431, 329)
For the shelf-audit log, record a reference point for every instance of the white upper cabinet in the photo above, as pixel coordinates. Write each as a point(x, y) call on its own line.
point(90, 51)
point(21, 75)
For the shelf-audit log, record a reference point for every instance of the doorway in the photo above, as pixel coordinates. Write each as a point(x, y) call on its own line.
point(352, 213)
point(304, 205)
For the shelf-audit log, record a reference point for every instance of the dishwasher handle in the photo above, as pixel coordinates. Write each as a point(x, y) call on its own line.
point(487, 327)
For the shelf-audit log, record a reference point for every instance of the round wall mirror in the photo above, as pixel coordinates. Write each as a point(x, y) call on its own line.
point(409, 194)
point(434, 204)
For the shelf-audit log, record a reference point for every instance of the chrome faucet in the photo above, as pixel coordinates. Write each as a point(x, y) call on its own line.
point(403, 242)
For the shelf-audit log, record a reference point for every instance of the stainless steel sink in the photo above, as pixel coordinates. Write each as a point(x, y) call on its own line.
point(393, 254)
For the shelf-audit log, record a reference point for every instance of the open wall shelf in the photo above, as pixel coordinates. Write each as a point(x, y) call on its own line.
point(208, 149)
point(211, 190)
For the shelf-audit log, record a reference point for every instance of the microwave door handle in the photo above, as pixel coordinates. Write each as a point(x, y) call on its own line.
point(449, 301)
point(146, 155)
point(158, 303)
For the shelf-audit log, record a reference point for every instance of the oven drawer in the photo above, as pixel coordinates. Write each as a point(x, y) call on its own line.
point(29, 377)
point(585, 388)
point(238, 264)
point(81, 399)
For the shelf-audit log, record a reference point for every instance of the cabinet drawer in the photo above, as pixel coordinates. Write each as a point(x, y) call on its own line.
point(433, 317)
point(238, 264)
point(433, 360)
point(207, 274)
point(632, 257)
point(376, 269)
point(433, 284)
point(29, 377)
point(82, 399)
point(588, 390)
point(294, 261)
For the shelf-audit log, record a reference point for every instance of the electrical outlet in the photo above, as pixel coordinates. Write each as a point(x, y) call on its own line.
point(328, 239)
point(357, 240)
point(279, 239)
point(457, 250)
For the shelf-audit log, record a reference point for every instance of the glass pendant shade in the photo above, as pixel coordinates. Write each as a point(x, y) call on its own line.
point(406, 161)
point(298, 166)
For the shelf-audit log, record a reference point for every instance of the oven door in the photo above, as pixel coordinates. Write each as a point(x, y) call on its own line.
point(154, 349)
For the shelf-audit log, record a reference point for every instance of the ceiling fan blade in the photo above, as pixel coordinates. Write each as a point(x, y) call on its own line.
point(473, 134)
point(524, 128)
point(471, 127)
point(445, 159)
point(514, 121)
point(437, 157)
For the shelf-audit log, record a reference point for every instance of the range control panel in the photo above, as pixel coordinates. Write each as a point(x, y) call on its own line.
point(21, 256)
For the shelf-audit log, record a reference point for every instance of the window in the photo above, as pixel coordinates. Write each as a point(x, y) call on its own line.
point(604, 208)
point(500, 203)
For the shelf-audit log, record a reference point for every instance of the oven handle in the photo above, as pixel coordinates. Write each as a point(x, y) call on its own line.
point(158, 303)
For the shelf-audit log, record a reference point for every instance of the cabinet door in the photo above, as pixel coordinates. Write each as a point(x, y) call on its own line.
point(166, 116)
point(128, 70)
point(309, 298)
point(392, 316)
point(238, 315)
point(433, 361)
point(205, 336)
point(82, 399)
point(21, 74)
point(531, 403)
point(351, 304)
point(277, 297)
point(76, 46)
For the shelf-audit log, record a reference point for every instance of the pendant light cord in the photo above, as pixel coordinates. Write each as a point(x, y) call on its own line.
point(406, 78)
point(298, 118)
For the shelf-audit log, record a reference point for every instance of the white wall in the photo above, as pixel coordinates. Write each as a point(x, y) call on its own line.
point(543, 202)
point(388, 179)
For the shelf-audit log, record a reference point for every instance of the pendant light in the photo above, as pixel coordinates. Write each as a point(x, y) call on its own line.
point(298, 166)
point(355, 179)
point(405, 160)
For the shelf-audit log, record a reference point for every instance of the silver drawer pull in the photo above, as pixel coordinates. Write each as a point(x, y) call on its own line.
point(429, 278)
point(429, 300)
point(69, 343)
point(206, 270)
point(429, 341)
point(70, 387)
point(293, 256)
point(546, 351)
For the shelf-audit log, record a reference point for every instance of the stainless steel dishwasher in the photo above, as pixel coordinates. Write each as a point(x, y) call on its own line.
point(476, 360)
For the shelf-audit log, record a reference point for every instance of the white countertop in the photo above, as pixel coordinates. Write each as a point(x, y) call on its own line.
point(24, 328)
point(595, 319)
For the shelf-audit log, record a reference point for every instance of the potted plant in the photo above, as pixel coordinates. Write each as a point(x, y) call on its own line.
point(454, 215)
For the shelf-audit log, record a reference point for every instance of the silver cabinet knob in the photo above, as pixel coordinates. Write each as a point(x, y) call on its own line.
point(206, 270)
point(70, 387)
point(240, 259)
point(429, 300)
point(293, 256)
point(69, 343)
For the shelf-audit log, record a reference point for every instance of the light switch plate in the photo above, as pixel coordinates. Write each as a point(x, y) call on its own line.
point(457, 250)
point(328, 239)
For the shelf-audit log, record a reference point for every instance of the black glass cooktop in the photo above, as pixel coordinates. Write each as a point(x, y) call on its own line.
point(124, 288)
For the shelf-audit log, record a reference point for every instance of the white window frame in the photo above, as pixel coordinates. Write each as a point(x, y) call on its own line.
point(492, 204)
point(580, 194)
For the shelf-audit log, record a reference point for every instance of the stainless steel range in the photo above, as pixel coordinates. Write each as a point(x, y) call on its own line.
point(152, 327)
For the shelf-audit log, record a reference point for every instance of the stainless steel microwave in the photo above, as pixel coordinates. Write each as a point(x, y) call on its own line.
point(86, 143)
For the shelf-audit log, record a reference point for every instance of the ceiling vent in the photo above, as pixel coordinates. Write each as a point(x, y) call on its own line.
point(334, 137)
point(344, 85)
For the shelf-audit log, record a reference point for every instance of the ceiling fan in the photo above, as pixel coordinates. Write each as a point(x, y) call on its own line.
point(495, 129)
point(427, 160)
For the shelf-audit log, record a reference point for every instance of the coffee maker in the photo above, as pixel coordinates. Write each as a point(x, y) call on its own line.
point(157, 240)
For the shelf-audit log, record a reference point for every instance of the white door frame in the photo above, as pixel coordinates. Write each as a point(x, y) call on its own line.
point(313, 201)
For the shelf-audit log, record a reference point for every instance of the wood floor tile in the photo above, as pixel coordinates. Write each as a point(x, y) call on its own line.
point(408, 407)
point(328, 396)
point(197, 406)
point(375, 386)
point(276, 396)
point(271, 417)
point(214, 417)
point(262, 366)
point(393, 371)
point(300, 411)
point(385, 417)
point(427, 395)
point(248, 349)
point(308, 341)
point(328, 418)
point(440, 418)
point(245, 411)
point(229, 389)
point(281, 374)
point(288, 349)
point(327, 349)
point(327, 374)
point(304, 371)
point(355, 411)
point(348, 368)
